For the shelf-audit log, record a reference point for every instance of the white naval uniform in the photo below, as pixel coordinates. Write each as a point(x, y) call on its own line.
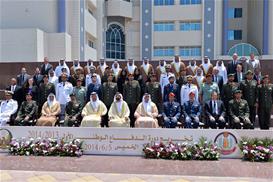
point(63, 92)
point(185, 90)
point(7, 108)
point(164, 80)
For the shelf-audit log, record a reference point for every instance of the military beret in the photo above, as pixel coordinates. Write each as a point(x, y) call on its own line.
point(231, 74)
point(171, 94)
point(189, 77)
point(29, 93)
point(191, 93)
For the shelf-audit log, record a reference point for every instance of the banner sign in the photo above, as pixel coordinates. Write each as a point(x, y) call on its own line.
point(130, 141)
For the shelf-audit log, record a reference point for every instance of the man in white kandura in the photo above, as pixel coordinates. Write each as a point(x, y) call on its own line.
point(93, 111)
point(146, 113)
point(119, 112)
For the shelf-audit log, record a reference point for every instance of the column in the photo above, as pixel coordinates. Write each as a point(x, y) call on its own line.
point(146, 28)
point(61, 16)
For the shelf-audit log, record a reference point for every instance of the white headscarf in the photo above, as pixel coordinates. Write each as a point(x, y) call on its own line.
point(145, 66)
point(78, 66)
point(192, 67)
point(94, 104)
point(102, 67)
point(52, 79)
point(59, 68)
point(119, 103)
point(177, 64)
point(222, 71)
point(147, 105)
point(206, 65)
point(49, 102)
point(162, 68)
point(132, 68)
point(200, 78)
point(117, 69)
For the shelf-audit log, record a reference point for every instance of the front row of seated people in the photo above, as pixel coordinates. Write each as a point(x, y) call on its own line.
point(146, 113)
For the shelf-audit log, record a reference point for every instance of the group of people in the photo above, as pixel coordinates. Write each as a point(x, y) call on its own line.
point(111, 96)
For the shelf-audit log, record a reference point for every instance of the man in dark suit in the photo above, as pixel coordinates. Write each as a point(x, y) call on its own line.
point(217, 78)
point(239, 75)
point(17, 91)
point(171, 88)
point(171, 112)
point(231, 67)
point(37, 77)
point(192, 111)
point(94, 87)
point(23, 77)
point(45, 67)
point(215, 112)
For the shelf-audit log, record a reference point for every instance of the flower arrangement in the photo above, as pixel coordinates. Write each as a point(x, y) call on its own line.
point(256, 150)
point(202, 150)
point(46, 147)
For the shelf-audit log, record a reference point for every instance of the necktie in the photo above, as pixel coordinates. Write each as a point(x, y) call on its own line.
point(189, 85)
point(214, 107)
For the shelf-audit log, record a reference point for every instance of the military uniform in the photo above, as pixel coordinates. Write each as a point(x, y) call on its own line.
point(27, 109)
point(192, 112)
point(174, 88)
point(109, 90)
point(227, 93)
point(239, 112)
point(131, 94)
point(73, 114)
point(154, 89)
point(249, 91)
point(80, 93)
point(265, 100)
point(44, 91)
point(171, 114)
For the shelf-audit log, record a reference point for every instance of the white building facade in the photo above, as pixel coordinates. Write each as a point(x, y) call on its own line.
point(122, 29)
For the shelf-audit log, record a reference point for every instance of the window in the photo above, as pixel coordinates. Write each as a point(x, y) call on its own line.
point(235, 35)
point(243, 49)
point(163, 26)
point(115, 42)
point(235, 13)
point(163, 51)
point(163, 2)
point(91, 43)
point(190, 26)
point(190, 51)
point(185, 2)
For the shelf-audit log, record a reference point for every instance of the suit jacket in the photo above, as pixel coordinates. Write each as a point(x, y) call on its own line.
point(174, 89)
point(21, 80)
point(220, 81)
point(231, 68)
point(17, 94)
point(93, 88)
point(171, 110)
point(44, 71)
point(37, 79)
point(220, 108)
point(236, 77)
point(191, 110)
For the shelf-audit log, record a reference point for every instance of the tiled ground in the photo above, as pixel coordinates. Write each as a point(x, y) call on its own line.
point(36, 176)
point(129, 169)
